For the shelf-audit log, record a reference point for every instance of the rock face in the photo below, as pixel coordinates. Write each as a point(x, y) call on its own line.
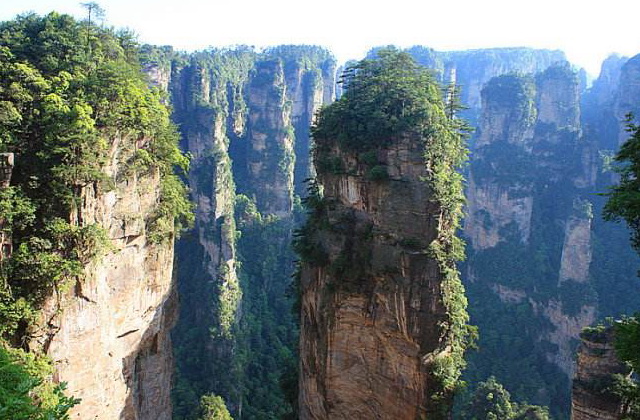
point(270, 154)
point(109, 335)
point(627, 95)
point(383, 312)
point(529, 225)
point(244, 118)
point(6, 169)
point(595, 365)
point(369, 329)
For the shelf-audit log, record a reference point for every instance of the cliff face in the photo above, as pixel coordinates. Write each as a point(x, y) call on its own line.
point(596, 364)
point(108, 335)
point(530, 219)
point(376, 315)
point(627, 95)
point(364, 345)
point(270, 154)
point(244, 117)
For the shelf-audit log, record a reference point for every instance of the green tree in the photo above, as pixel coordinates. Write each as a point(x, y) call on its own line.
point(212, 407)
point(624, 204)
point(24, 392)
point(491, 401)
point(624, 198)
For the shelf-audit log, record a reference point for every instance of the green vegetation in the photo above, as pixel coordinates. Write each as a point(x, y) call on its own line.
point(69, 92)
point(491, 401)
point(624, 204)
point(212, 407)
point(383, 98)
point(624, 198)
point(26, 393)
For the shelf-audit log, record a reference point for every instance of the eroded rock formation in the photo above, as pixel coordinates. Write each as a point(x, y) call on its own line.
point(596, 364)
point(108, 334)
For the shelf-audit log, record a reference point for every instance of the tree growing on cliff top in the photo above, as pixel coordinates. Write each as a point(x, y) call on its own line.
point(383, 97)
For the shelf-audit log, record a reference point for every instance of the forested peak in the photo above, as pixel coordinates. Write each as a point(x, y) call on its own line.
point(559, 70)
point(509, 89)
point(384, 97)
point(58, 42)
point(308, 56)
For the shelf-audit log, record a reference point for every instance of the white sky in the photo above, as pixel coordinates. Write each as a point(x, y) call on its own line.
point(587, 31)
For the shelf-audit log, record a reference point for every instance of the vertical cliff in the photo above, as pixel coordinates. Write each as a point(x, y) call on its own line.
point(244, 118)
point(207, 95)
point(7, 163)
point(529, 229)
point(627, 95)
point(382, 309)
point(90, 208)
point(592, 396)
point(108, 335)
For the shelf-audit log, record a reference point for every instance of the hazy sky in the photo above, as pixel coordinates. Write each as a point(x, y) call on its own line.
point(586, 31)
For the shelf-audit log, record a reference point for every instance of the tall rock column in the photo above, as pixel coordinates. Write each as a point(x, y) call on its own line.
point(596, 364)
point(270, 155)
point(382, 309)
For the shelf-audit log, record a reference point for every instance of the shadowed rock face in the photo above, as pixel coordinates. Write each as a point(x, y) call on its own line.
point(627, 96)
point(596, 363)
point(108, 336)
point(244, 118)
point(370, 326)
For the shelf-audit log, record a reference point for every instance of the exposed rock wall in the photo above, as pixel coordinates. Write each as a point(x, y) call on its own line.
point(529, 223)
point(596, 363)
point(627, 96)
point(108, 336)
point(244, 117)
point(270, 154)
point(374, 307)
point(6, 169)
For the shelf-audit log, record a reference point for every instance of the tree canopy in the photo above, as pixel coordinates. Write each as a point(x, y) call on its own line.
point(383, 97)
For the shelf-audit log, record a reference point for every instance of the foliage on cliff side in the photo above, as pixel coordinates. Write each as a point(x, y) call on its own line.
point(385, 98)
point(71, 92)
point(25, 392)
point(624, 204)
point(491, 401)
point(73, 100)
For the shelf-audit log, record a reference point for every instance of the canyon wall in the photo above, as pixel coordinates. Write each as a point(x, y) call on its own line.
point(536, 272)
point(244, 117)
point(108, 334)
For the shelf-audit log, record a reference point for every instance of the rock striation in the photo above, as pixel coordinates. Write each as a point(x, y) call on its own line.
point(596, 364)
point(370, 318)
point(377, 283)
point(108, 335)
